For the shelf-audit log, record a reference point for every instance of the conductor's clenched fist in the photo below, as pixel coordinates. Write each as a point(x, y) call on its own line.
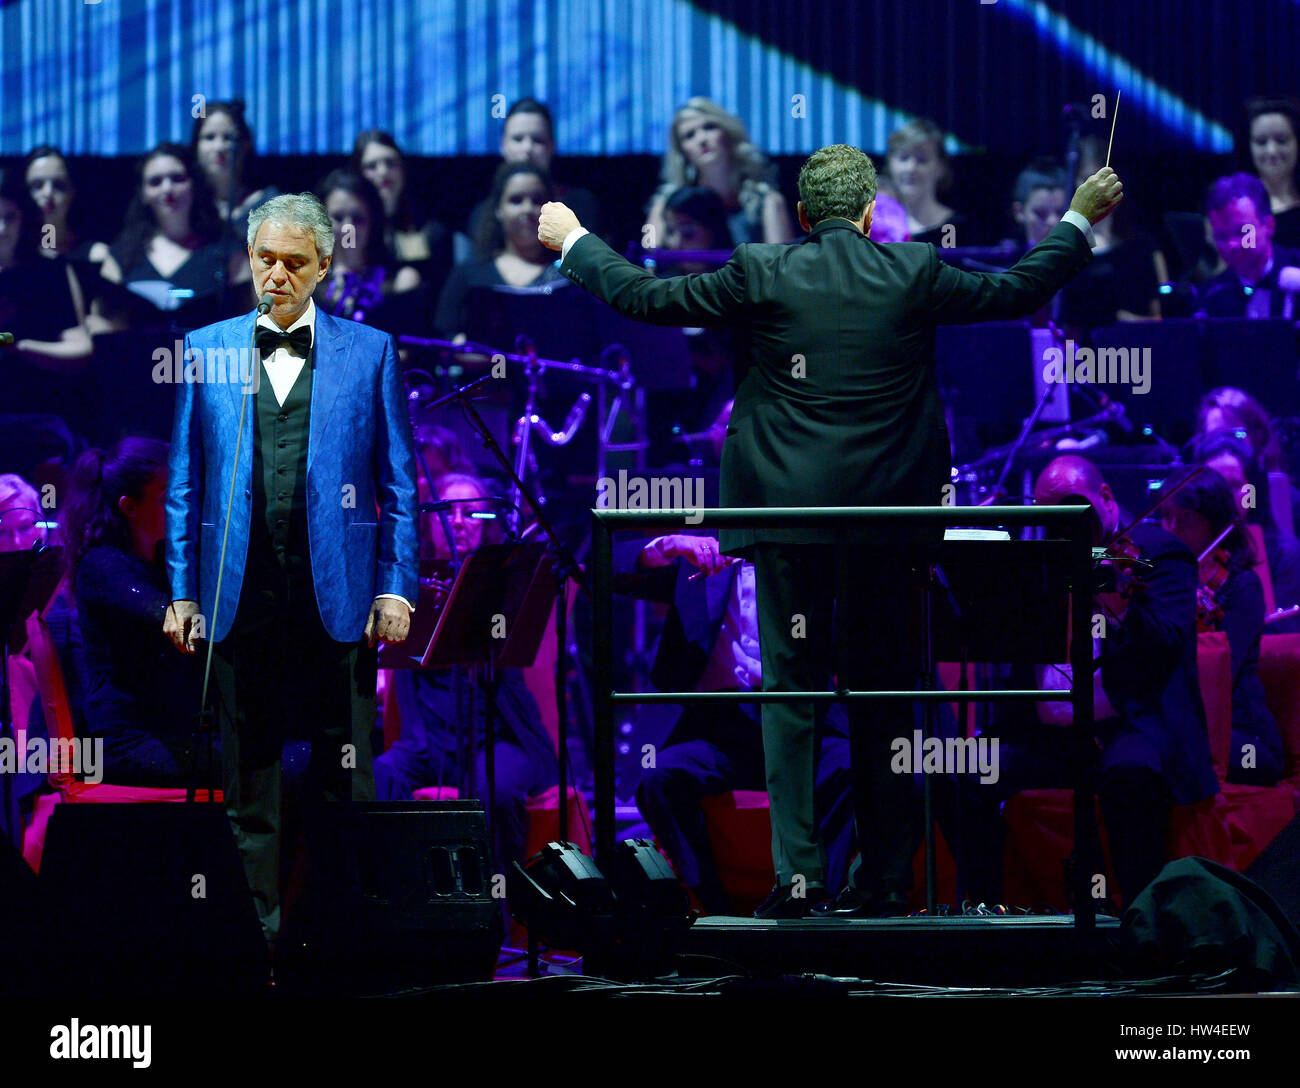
point(555, 224)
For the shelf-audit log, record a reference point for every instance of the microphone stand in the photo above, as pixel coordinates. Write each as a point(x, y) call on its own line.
point(203, 726)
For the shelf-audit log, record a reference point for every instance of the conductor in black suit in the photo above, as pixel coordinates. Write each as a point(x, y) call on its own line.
point(837, 404)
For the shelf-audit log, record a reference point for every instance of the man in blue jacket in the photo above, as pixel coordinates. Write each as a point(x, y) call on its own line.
point(291, 532)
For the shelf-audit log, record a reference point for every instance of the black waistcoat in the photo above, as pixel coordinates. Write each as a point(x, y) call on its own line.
point(278, 573)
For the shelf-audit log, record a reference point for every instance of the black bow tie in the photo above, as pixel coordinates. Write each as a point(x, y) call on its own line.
point(270, 339)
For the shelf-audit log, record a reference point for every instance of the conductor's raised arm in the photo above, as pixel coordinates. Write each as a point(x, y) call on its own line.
point(957, 297)
point(703, 299)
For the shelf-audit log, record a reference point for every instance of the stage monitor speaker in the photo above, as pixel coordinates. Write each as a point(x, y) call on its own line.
point(1277, 870)
point(23, 955)
point(397, 896)
point(149, 900)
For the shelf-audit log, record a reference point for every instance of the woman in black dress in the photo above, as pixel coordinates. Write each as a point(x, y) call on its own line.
point(39, 302)
point(49, 183)
point(412, 236)
point(919, 172)
point(222, 145)
point(364, 280)
point(511, 254)
point(172, 253)
point(1272, 131)
point(47, 396)
point(141, 695)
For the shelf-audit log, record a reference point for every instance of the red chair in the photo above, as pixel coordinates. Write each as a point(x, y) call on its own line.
point(22, 693)
point(58, 720)
point(1257, 814)
point(740, 836)
point(1279, 671)
point(1040, 822)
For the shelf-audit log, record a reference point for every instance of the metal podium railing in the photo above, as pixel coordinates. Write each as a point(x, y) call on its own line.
point(1071, 549)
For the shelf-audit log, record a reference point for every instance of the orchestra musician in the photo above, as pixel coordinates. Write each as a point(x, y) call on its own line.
point(1149, 721)
point(1205, 515)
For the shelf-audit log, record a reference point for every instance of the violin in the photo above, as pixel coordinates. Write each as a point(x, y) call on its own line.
point(437, 576)
point(1119, 566)
point(1212, 575)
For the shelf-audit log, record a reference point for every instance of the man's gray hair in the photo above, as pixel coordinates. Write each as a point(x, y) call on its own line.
point(295, 210)
point(837, 181)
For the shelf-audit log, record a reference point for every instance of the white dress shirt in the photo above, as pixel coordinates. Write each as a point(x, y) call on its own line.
point(282, 366)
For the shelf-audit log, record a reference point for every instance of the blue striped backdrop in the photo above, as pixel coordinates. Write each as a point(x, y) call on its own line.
point(115, 76)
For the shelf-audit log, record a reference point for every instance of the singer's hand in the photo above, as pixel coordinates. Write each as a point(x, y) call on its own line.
point(389, 621)
point(181, 625)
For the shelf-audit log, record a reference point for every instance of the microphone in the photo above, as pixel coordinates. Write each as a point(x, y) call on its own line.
point(265, 303)
point(6, 339)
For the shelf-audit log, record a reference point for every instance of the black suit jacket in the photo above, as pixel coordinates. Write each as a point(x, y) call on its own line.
point(837, 403)
point(1225, 296)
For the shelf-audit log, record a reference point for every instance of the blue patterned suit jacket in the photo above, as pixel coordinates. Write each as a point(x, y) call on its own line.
point(361, 492)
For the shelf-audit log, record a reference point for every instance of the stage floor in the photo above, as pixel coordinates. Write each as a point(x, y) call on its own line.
point(1033, 950)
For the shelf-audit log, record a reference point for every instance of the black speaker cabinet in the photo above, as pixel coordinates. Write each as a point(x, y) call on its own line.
point(149, 900)
point(23, 954)
point(1277, 870)
point(397, 896)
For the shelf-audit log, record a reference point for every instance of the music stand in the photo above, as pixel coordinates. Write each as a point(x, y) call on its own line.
point(560, 318)
point(1027, 588)
point(28, 580)
point(409, 653)
point(494, 617)
point(494, 581)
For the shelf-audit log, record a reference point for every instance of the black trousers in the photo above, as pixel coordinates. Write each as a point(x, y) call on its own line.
point(715, 750)
point(279, 676)
point(837, 608)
